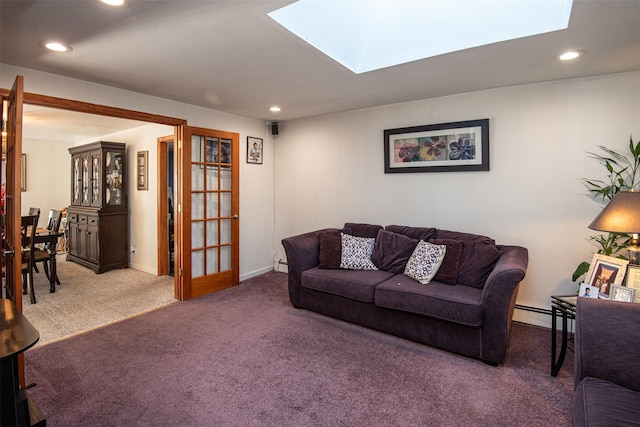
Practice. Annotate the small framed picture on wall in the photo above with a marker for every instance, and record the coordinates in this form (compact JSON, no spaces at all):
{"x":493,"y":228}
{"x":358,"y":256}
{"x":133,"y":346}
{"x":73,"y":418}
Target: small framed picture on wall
{"x":254,"y":150}
{"x":142,"y":170}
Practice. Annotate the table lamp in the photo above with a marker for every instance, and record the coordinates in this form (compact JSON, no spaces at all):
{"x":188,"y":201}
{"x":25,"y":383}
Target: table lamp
{"x":622,"y":215}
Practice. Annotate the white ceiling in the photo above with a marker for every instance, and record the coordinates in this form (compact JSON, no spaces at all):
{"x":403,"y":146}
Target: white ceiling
{"x":229,"y":56}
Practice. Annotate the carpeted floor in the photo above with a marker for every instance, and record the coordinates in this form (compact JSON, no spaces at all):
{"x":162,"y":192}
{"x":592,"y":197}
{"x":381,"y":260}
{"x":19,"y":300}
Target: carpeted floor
{"x":245,"y":357}
{"x":86,"y":300}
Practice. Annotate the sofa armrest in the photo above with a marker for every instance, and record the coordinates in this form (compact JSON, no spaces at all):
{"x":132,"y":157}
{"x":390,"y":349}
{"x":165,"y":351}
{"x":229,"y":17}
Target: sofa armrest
{"x":607,"y":342}
{"x":303,"y":253}
{"x":499,"y":299}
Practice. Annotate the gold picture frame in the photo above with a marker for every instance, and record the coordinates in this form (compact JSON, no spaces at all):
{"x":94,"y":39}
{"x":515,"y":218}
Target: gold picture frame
{"x":142,"y":170}
{"x":632,"y":281}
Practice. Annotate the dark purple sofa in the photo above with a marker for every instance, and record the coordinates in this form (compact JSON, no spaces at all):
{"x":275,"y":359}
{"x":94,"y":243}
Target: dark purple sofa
{"x":471,"y":319}
{"x":607,"y":364}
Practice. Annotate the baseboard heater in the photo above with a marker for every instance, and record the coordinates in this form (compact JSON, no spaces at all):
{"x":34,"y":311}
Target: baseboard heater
{"x":534,"y":309}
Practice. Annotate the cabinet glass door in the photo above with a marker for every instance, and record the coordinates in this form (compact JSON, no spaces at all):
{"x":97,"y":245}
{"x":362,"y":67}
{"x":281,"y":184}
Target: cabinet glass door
{"x":86,"y":167}
{"x":114,"y":170}
{"x":95,"y":179}
{"x":77,"y":171}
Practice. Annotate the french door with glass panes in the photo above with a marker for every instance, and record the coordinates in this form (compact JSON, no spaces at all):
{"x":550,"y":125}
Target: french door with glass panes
{"x":210,"y":210}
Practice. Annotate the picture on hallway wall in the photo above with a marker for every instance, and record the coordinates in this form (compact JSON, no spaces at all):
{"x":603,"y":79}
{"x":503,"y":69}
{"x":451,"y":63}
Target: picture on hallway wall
{"x":142,"y":170}
{"x":447,"y":147}
{"x":254,"y":150}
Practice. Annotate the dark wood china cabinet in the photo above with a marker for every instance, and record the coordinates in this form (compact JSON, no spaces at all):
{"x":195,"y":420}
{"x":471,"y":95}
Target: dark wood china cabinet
{"x":98,"y":217}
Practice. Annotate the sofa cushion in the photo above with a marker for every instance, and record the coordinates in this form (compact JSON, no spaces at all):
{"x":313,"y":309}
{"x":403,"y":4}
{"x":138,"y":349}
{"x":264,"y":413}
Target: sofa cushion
{"x":425,"y":261}
{"x":479,"y":256}
{"x":448,"y":271}
{"x":356,"y":252}
{"x":362,"y":230}
{"x":459,"y":304}
{"x":330,"y":250}
{"x":600,"y":403}
{"x":358,"y":285}
{"x":418,"y":233}
{"x":392,"y":251}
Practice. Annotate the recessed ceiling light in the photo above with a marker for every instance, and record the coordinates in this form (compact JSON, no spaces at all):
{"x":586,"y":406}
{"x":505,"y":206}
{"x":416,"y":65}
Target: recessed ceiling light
{"x":114,"y":3}
{"x":374,"y":34}
{"x":57,"y":47}
{"x":571,"y":54}
{"x":274,"y":109}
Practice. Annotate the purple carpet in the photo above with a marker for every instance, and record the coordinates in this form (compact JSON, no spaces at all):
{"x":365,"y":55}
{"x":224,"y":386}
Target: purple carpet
{"x":245,"y":357}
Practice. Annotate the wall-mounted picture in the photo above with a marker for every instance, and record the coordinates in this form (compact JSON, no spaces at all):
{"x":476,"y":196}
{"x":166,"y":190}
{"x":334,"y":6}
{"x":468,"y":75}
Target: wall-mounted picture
{"x":142,"y":170}
{"x":587,"y":291}
{"x":211,"y":154}
{"x":446,"y":147}
{"x":632,"y":281}
{"x":621,"y":293}
{"x":604,"y":272}
{"x":254,"y":150}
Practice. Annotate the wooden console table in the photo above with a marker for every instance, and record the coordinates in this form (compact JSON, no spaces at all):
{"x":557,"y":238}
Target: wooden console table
{"x":17,"y":335}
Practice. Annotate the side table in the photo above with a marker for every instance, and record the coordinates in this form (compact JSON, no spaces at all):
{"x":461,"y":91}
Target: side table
{"x":566,"y":306}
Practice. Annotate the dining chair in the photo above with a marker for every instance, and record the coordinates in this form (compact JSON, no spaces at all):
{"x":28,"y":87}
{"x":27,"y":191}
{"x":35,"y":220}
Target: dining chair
{"x":34,"y":211}
{"x":28,"y":231}
{"x":42,"y":254}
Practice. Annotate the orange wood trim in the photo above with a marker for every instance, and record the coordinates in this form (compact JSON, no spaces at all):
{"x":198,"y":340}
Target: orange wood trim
{"x":87,"y":107}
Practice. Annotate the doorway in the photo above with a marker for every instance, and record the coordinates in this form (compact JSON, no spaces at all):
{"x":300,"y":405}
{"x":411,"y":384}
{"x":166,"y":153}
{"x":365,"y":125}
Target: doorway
{"x":166,"y":206}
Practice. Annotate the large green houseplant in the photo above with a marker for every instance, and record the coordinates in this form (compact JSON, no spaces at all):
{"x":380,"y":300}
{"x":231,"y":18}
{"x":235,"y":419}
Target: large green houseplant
{"x":623,"y":173}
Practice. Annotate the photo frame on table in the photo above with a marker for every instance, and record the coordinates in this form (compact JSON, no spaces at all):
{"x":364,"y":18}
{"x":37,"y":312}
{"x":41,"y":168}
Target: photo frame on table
{"x":605,"y":271}
{"x":446,"y":147}
{"x":632,"y":281}
{"x":142,"y":170}
{"x":622,"y":293}
{"x":254,"y":150}
{"x":587,"y":291}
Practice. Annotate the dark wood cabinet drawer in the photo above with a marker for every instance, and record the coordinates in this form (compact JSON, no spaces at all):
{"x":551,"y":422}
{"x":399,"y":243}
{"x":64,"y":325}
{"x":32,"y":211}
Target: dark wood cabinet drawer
{"x":72,"y":217}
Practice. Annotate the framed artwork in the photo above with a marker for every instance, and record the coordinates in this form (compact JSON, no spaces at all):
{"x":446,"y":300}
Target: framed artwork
{"x":621,"y":293}
{"x":587,"y":291}
{"x":142,"y":169}
{"x":23,"y":176}
{"x":446,"y":147}
{"x":211,"y":151}
{"x":605,"y":271}
{"x":254,"y":150}
{"x":632,"y":281}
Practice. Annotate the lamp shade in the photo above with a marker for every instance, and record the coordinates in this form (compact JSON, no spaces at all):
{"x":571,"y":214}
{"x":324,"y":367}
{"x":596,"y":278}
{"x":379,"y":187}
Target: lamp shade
{"x":621,"y":215}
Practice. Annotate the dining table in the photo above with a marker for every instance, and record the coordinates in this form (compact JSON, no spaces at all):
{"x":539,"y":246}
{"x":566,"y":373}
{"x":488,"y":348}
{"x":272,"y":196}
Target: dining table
{"x":50,"y":239}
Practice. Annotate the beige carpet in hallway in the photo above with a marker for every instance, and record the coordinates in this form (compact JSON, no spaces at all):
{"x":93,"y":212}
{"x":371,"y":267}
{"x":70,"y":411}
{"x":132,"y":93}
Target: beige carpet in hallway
{"x":86,"y":300}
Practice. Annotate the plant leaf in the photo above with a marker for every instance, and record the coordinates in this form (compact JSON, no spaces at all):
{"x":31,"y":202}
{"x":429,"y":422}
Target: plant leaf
{"x":580,"y":271}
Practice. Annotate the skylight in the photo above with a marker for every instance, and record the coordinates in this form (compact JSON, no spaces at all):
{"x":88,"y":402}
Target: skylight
{"x":367,"y":35}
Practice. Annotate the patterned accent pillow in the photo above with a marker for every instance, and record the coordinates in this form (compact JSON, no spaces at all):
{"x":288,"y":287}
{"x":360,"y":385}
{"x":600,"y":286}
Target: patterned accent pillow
{"x":356,"y":252}
{"x":425,"y":261}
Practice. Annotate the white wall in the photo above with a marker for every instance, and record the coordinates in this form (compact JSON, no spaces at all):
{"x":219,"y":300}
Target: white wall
{"x":256,"y":181}
{"x":330,"y":170}
{"x":48,"y":177}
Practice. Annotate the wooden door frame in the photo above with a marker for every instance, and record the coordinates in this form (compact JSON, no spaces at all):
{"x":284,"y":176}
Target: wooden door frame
{"x":163,"y":195}
{"x":122,"y":113}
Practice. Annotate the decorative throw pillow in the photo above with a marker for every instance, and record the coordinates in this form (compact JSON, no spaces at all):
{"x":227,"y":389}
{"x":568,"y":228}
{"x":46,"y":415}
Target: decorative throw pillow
{"x":362,"y":230}
{"x":448,"y":271}
{"x":330,"y":250}
{"x":418,"y":233}
{"x":356,"y":252}
{"x":392,"y":251}
{"x":425,"y":261}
